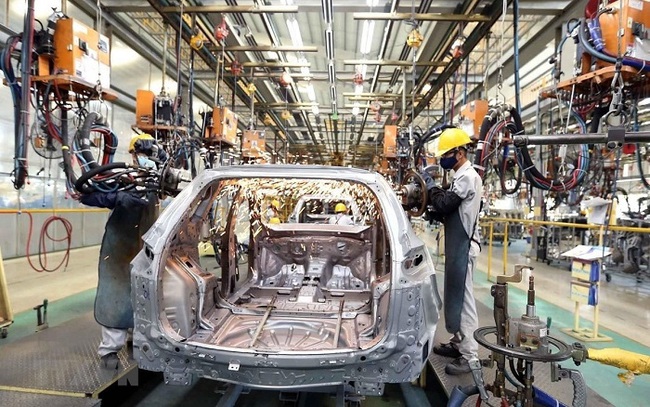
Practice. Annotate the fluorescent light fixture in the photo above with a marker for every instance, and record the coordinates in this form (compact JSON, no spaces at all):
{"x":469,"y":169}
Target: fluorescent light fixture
{"x":355,"y":109}
{"x":294,"y":32}
{"x":315,"y":110}
{"x":311,"y":94}
{"x":327,"y":11}
{"x":372,"y":3}
{"x":329,"y":43}
{"x":287,"y":2}
{"x":426,"y":88}
{"x":366,"y":36}
{"x":364,"y":70}
{"x":644,"y":102}
{"x":304,"y":70}
{"x":358,"y":89}
{"x":330,"y":73}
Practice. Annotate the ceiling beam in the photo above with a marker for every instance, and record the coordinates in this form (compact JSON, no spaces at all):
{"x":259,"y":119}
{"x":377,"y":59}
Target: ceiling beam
{"x":263,"y":48}
{"x":388,"y":62}
{"x":275,"y":65}
{"x":230,"y":9}
{"x":420,"y":17}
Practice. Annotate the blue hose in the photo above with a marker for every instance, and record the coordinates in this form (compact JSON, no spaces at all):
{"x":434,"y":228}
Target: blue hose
{"x":459,"y":395}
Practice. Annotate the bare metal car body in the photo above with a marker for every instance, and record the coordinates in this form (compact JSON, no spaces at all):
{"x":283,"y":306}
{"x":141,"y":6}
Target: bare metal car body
{"x":314,"y":305}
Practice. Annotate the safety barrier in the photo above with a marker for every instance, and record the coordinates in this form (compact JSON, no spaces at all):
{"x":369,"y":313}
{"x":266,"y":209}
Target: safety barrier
{"x":503,"y":225}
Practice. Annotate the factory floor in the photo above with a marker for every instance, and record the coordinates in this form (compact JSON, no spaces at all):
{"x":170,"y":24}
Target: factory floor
{"x":624,"y":314}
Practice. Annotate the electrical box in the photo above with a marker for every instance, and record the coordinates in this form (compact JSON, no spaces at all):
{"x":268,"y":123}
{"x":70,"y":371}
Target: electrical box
{"x":636,"y":20}
{"x":144,"y":107}
{"x":253,"y":144}
{"x":223,"y":127}
{"x":81,"y":51}
{"x":473,"y":114}
{"x":390,"y":141}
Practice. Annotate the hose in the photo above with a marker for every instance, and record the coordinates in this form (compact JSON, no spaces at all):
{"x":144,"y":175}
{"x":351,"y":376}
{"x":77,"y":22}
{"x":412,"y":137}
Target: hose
{"x":460,"y":394}
{"x":635,"y":63}
{"x":42,"y":246}
{"x":80,"y":184}
{"x":82,"y":139}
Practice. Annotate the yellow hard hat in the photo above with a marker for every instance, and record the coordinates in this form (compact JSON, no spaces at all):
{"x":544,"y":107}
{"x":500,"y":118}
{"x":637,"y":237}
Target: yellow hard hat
{"x":450,"y":139}
{"x":274,"y":220}
{"x":143,"y":138}
{"x":340,"y":207}
{"x":275,"y":203}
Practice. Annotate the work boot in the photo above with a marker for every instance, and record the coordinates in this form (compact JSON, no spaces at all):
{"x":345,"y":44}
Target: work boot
{"x":457,"y":367}
{"x":446,"y":349}
{"x":110,"y":361}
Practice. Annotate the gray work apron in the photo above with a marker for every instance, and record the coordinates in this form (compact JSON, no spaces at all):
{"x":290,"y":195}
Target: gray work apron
{"x":457,"y":245}
{"x":121,"y":243}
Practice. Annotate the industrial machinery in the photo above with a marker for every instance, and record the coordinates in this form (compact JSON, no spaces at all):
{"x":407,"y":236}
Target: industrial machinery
{"x":522,"y":342}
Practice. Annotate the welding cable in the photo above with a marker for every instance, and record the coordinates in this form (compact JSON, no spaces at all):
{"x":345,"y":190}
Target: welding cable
{"x":639,"y":64}
{"x":481,"y":146}
{"x":80,"y":184}
{"x":537,"y":179}
{"x":20,"y":146}
{"x":42,"y":243}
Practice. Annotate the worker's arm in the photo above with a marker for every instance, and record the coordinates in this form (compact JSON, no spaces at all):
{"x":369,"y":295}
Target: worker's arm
{"x":443,"y":201}
{"x":111,"y":199}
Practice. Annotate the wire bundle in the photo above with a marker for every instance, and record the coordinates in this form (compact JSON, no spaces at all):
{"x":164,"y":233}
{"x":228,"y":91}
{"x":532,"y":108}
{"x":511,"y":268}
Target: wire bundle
{"x":20,"y":157}
{"x":538,"y":180}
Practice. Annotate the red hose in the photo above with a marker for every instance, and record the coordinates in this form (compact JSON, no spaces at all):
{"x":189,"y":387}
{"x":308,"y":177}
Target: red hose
{"x":42,"y":248}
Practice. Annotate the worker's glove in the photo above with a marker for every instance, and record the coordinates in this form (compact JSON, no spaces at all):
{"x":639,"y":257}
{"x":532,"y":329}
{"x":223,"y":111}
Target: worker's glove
{"x":428,"y":180}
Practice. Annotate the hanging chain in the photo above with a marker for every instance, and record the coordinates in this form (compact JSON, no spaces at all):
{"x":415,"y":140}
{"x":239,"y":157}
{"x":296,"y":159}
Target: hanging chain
{"x":98,"y":86}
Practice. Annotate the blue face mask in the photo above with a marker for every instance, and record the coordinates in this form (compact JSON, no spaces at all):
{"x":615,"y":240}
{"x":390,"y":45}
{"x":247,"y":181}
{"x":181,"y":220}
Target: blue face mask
{"x":448,"y":163}
{"x":144,"y":161}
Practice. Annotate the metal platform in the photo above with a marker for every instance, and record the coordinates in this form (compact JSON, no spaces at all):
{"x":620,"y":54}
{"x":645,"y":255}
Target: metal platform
{"x":562,"y":390}
{"x":60,"y":361}
{"x":17,"y":398}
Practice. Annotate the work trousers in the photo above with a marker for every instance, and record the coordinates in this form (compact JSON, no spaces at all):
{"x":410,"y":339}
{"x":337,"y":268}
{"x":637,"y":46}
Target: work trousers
{"x":464,"y":340}
{"x":112,"y":340}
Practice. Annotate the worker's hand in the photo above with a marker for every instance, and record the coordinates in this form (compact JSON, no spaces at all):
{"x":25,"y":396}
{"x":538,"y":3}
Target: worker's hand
{"x":428,"y":180}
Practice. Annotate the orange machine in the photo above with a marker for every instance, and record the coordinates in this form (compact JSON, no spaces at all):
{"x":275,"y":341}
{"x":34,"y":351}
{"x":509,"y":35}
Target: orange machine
{"x":475,"y":111}
{"x":144,"y":107}
{"x":223,"y":128}
{"x":77,"y":50}
{"x":253,"y":144}
{"x":390,"y":141}
{"x":636,"y":18}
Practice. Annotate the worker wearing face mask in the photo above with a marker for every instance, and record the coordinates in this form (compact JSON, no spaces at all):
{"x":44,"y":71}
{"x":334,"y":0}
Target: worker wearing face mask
{"x":458,"y":208}
{"x":133,"y":212}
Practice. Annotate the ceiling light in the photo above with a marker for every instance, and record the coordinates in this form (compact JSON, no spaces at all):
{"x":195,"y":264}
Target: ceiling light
{"x":330,"y":73}
{"x":294,"y":32}
{"x":358,"y":89}
{"x":287,"y":2}
{"x":366,"y":36}
{"x":355,"y":109}
{"x":372,"y":3}
{"x":426,"y":88}
{"x":327,"y":11}
{"x":311,"y":93}
{"x":315,"y":110}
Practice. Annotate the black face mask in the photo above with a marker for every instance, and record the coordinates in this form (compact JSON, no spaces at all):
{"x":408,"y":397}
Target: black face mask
{"x":448,"y":163}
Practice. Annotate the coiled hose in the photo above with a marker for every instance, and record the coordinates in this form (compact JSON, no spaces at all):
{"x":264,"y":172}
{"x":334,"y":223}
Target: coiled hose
{"x":44,"y":235}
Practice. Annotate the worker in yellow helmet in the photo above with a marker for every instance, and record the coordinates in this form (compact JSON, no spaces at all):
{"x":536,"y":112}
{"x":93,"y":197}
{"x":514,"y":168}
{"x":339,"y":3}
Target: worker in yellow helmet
{"x":458,"y":208}
{"x":273,"y":210}
{"x":146,"y":152}
{"x":340,"y":215}
{"x":274,"y":220}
